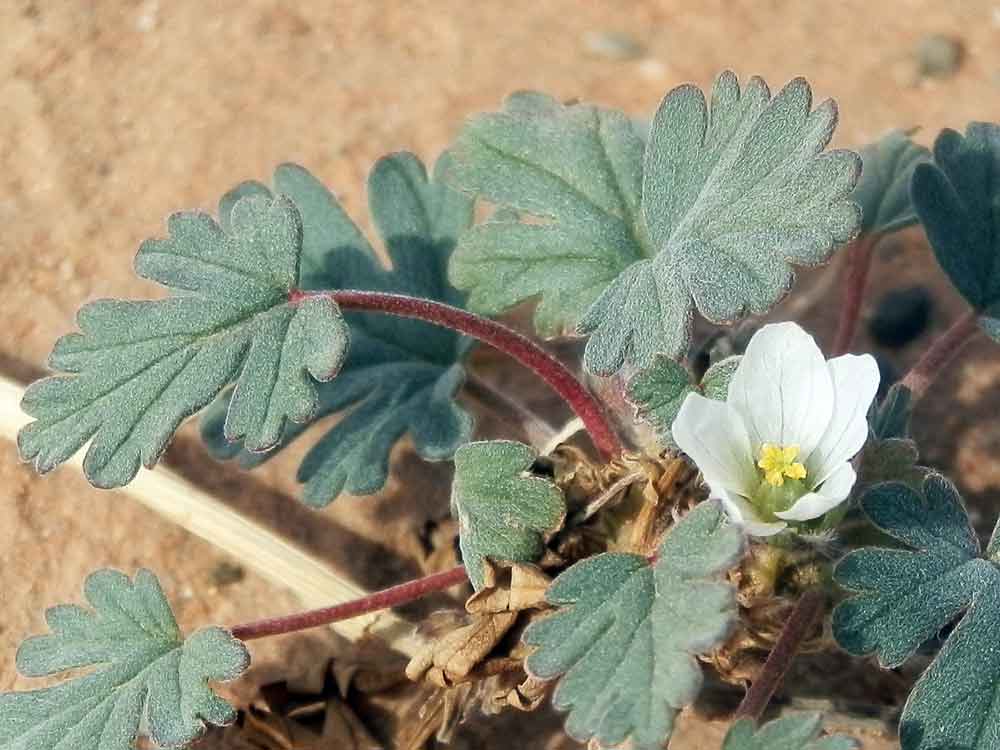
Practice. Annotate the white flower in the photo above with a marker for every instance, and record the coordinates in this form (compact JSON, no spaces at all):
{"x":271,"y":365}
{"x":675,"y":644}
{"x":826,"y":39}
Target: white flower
{"x":779,"y":448}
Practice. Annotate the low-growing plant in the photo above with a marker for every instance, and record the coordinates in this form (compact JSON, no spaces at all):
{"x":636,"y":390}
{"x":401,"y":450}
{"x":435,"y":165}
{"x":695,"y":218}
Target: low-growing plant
{"x":764,"y":492}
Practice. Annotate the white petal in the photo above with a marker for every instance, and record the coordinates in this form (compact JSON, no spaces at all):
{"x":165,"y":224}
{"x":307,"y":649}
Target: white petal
{"x":832,"y":493}
{"x":713,"y":435}
{"x":782,"y":389}
{"x":855,"y":381}
{"x":742,"y":514}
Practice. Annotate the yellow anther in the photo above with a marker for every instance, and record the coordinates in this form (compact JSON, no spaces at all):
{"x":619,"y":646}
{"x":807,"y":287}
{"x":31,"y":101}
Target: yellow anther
{"x":779,"y":462}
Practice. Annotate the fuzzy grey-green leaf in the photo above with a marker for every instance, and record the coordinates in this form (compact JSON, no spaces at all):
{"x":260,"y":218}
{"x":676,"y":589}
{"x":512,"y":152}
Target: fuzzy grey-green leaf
{"x":400,"y":375}
{"x":503,"y":511}
{"x":905,"y":596}
{"x":883,"y":192}
{"x":139,"y":368}
{"x":715,"y":381}
{"x":626,"y":634}
{"x":577,"y":167}
{"x":800,"y":732}
{"x":733,"y":196}
{"x":658,"y":393}
{"x":956,"y":199}
{"x":625,"y":239}
{"x":144,"y":668}
{"x":890,"y":460}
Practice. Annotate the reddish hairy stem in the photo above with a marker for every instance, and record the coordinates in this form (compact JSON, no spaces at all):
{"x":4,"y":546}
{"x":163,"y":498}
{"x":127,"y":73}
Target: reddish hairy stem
{"x":799,"y":624}
{"x":940,"y":353}
{"x":500,"y":337}
{"x":859,"y":261}
{"x":385,"y":599}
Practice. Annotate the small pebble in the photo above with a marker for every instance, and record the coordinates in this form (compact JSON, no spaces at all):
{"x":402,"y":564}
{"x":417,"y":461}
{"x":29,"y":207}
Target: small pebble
{"x":900,"y":316}
{"x":939,"y":56}
{"x":614,"y":45}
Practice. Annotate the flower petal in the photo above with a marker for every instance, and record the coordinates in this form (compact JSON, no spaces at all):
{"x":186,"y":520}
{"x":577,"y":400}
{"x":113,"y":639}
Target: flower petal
{"x":855,"y":381}
{"x":832,"y":493}
{"x":713,"y":435}
{"x":744,"y":515}
{"x":782,"y":389}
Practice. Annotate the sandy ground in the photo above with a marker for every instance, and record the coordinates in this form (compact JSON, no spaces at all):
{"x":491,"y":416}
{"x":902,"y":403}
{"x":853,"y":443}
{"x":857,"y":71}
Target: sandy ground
{"x":115,"y":114}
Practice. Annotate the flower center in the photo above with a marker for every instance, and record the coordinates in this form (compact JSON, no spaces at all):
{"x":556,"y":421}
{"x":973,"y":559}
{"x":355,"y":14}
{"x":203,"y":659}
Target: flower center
{"x":778,"y":462}
{"x":782,"y":482}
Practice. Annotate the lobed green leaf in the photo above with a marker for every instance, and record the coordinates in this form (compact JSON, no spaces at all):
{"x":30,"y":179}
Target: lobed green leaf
{"x":400,"y":376}
{"x":577,"y":167}
{"x":732,"y":196}
{"x":629,"y":238}
{"x":906,"y":596}
{"x":627,"y":632}
{"x":137,"y":369}
{"x":144,"y":669}
{"x":503,"y":511}
{"x":956,"y":198}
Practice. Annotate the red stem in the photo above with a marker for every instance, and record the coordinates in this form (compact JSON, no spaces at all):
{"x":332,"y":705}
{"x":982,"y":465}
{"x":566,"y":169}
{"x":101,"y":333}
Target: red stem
{"x":385,"y":599}
{"x":940,"y":352}
{"x":800,"y":623}
{"x":859,"y":261}
{"x":499,"y":336}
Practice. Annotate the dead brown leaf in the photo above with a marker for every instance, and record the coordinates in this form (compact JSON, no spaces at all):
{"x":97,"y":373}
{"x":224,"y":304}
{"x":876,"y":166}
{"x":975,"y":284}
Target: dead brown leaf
{"x":509,"y":588}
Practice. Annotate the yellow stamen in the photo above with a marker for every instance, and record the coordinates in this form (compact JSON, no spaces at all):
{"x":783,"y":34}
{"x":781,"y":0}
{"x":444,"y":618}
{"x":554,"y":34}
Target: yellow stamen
{"x":779,"y":462}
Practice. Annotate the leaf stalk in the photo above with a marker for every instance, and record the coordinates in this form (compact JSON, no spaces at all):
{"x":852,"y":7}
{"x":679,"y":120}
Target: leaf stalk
{"x":500,"y":337}
{"x":395,"y":596}
{"x":859,"y":261}
{"x":799,"y":625}
{"x":940,"y":353}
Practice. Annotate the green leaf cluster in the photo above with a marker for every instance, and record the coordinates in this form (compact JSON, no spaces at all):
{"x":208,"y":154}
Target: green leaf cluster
{"x":237,"y":326}
{"x":658,"y":393}
{"x":904,"y":597}
{"x":137,"y":369}
{"x":504,"y":512}
{"x":627,"y":632}
{"x":787,"y":733}
{"x":956,"y":198}
{"x":144,"y":669}
{"x":400,"y":376}
{"x":627,"y":238}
